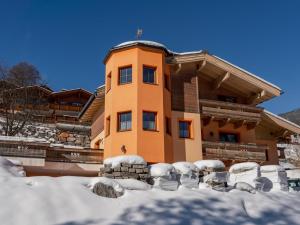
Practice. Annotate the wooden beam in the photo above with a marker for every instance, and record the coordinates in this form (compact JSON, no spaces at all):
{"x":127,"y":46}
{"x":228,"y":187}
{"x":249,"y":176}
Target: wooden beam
{"x":222,"y":123}
{"x":206,"y":121}
{"x":220,"y":80}
{"x":256,"y":97}
{"x":201,"y":67}
{"x":252,"y":125}
{"x":239,"y":124}
{"x":281,"y":133}
{"x":179,"y":67}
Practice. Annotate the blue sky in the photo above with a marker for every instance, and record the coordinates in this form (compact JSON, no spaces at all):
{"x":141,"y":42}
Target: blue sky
{"x":67,"y":40}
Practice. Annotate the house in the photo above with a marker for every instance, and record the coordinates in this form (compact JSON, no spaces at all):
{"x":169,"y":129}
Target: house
{"x":168,"y":106}
{"x":48,"y":106}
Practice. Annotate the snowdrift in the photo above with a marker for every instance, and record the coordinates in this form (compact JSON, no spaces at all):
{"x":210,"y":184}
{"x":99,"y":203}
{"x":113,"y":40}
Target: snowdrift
{"x":246,"y":172}
{"x":187,"y":174}
{"x":9,"y":169}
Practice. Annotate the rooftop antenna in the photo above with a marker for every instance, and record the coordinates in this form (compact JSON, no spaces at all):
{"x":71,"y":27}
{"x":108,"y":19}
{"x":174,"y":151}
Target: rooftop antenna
{"x":139,"y":33}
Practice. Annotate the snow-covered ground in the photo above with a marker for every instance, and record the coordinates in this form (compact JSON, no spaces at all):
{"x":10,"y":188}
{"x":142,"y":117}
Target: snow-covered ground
{"x":70,"y":201}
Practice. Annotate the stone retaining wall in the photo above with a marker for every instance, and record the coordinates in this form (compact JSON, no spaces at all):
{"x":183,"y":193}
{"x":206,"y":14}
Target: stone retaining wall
{"x":126,"y":171}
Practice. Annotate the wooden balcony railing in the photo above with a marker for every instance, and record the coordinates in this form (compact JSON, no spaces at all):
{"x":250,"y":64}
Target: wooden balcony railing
{"x":233,"y":151}
{"x":23,"y":149}
{"x":75,"y":155}
{"x":228,"y":110}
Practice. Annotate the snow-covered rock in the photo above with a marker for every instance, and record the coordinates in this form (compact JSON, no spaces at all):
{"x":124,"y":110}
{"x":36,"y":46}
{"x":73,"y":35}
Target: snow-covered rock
{"x":242,"y":186}
{"x":216,"y":177}
{"x":166,"y":184}
{"x":185,"y":167}
{"x":209,"y":164}
{"x":130,"y":159}
{"x":164,"y":176}
{"x":276,"y":175}
{"x":108,"y":188}
{"x":246,"y":172}
{"x":132,"y":184}
{"x":9,"y":169}
{"x":187,"y":174}
{"x":162,"y":170}
{"x":243,"y":167}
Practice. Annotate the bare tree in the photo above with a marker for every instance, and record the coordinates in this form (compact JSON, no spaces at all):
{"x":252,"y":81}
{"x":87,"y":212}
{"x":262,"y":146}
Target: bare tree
{"x":20,"y":97}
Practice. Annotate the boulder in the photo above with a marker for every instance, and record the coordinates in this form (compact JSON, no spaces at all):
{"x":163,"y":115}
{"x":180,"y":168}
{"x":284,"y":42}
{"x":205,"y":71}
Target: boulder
{"x":108,"y":188}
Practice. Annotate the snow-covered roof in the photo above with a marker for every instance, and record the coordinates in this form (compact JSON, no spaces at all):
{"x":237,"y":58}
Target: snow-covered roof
{"x":296,"y":126}
{"x":23,"y":139}
{"x":150,"y":43}
{"x":249,"y":73}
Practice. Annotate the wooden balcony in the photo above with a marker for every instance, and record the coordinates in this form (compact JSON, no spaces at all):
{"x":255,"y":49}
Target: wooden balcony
{"x":23,"y":149}
{"x":227,"y":111}
{"x":233,"y":151}
{"x":87,"y":156}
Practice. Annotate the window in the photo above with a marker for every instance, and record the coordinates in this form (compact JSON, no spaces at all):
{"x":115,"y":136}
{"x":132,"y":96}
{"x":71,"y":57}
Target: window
{"x":124,"y":121}
{"x":125,"y":75}
{"x":225,"y":98}
{"x":168,"y":126}
{"x":229,"y":137}
{"x":149,"y":120}
{"x":108,"y":82}
{"x":185,"y":129}
{"x":107,"y":130}
{"x":149,"y":75}
{"x":167,"y":82}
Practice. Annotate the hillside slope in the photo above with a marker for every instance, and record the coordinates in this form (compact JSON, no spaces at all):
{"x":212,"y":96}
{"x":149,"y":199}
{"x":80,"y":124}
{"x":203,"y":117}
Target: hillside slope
{"x":293,"y":116}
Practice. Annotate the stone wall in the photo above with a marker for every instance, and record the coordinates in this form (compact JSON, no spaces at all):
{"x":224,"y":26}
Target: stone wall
{"x":126,"y":171}
{"x":66,"y":134}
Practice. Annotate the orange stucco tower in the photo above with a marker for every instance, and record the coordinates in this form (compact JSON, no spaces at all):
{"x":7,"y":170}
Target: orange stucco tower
{"x":137,"y":104}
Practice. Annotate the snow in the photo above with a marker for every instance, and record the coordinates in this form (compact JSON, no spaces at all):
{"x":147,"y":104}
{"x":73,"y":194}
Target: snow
{"x":217,"y":177}
{"x":275,"y":176}
{"x":188,"y":174}
{"x":242,"y":186}
{"x":247,"y":172}
{"x":205,"y":164}
{"x":185,"y":167}
{"x":293,"y":173}
{"x":9,"y":169}
{"x":161,"y":170}
{"x":251,"y":74}
{"x":150,"y":43}
{"x":242,"y":167}
{"x":24,"y":139}
{"x":130,"y":159}
{"x":109,"y":182}
{"x":271,"y":168}
{"x":70,"y":200}
{"x":67,"y":200}
{"x":132,"y":184}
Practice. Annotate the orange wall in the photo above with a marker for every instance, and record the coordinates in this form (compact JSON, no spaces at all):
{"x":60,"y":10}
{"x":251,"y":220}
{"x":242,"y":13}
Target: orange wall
{"x":187,"y":149}
{"x":137,"y":97}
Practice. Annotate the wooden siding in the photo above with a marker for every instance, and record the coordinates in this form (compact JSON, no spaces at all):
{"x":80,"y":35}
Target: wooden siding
{"x":184,"y":93}
{"x":231,"y":151}
{"x":225,"y":110}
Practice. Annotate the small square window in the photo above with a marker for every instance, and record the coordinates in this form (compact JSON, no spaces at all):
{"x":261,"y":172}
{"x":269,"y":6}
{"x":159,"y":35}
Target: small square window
{"x":185,"y":129}
{"x":124,"y":121}
{"x":149,"y":120}
{"x":149,"y":75}
{"x":125,"y":75}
